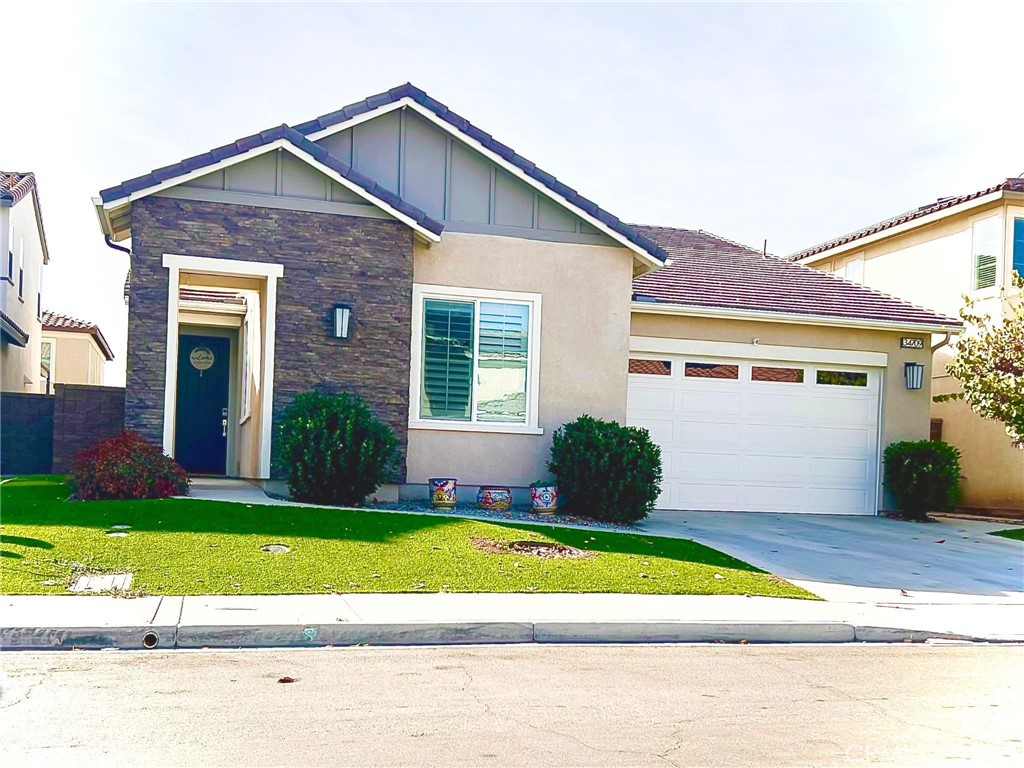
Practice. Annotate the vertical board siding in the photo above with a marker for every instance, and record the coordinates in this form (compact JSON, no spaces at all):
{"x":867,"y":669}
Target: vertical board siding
{"x":426,"y":160}
{"x":375,"y":149}
{"x":513,"y":201}
{"x":470,"y":186}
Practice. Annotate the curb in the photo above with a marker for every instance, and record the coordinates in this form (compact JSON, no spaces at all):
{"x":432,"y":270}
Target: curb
{"x":460,"y":633}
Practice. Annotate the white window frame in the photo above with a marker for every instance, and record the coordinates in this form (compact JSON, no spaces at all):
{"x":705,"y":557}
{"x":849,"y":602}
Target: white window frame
{"x":993,"y":289}
{"x":422,"y":292}
{"x":52,"y":341}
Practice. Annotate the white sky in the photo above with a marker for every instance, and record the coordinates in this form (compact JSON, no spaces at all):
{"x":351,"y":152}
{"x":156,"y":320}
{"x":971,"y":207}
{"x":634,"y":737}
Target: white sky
{"x":786,"y":122}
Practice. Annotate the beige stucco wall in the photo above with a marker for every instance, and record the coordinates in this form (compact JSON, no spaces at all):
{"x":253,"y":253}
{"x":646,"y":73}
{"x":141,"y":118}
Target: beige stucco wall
{"x":19,"y":366}
{"x":905,"y":413}
{"x":584,"y":347}
{"x":78,"y":359}
{"x":992,"y":468}
{"x":931,"y":266}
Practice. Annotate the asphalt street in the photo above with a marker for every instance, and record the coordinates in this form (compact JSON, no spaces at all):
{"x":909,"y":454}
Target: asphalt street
{"x":528,"y":705}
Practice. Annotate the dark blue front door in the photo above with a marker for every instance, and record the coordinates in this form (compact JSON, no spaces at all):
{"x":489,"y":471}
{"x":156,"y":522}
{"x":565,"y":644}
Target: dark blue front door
{"x":200,"y":432}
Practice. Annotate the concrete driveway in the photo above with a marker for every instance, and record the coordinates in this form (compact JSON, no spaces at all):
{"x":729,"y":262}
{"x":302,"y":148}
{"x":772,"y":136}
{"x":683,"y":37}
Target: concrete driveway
{"x":865,"y":559}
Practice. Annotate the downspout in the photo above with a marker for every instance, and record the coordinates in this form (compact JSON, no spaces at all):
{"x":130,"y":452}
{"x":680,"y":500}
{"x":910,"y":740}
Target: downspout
{"x":128,"y":278}
{"x":943,"y":343}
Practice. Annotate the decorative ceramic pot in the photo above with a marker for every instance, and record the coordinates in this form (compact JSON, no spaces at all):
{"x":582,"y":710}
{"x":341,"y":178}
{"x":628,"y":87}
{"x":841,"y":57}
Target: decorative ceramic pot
{"x":544,"y":499}
{"x":442,"y":492}
{"x":497,"y":497}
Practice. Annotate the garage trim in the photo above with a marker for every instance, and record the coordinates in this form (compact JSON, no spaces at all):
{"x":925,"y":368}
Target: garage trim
{"x":753,"y":351}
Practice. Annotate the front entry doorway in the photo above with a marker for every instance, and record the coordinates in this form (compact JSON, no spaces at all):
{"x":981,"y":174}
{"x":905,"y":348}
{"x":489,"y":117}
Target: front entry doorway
{"x":201,"y":418}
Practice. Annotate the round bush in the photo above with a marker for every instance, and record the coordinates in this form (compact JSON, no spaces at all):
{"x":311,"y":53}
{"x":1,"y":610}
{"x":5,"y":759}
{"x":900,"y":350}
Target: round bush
{"x":923,"y":476}
{"x":333,"y":449}
{"x":126,"y":467}
{"x":605,"y":471}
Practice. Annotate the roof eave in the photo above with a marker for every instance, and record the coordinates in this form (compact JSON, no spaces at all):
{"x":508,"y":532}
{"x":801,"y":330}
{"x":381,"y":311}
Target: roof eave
{"x":729,"y":313}
{"x":907,"y":226}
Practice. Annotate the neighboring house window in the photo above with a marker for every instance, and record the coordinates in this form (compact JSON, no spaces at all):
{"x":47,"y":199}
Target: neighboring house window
{"x":986,"y":238}
{"x":21,"y":268}
{"x":1018,"y":246}
{"x":477,"y":357}
{"x":39,"y":295}
{"x":9,"y":264}
{"x":855,"y":270}
{"x":47,"y":353}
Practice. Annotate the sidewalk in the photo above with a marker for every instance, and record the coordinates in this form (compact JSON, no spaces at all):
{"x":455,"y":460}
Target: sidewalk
{"x":39,"y":622}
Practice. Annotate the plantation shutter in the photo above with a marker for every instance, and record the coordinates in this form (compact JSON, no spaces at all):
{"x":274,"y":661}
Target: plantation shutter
{"x":447,"y":360}
{"x":987,"y":234}
{"x":502,"y":368}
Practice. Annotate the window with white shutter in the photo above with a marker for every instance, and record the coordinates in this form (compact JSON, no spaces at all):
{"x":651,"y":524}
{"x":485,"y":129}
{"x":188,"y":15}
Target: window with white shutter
{"x":986,"y":241}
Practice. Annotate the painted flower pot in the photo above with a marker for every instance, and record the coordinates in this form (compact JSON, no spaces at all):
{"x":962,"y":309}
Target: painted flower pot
{"x":544,"y":499}
{"x":442,"y":492}
{"x":494,"y":497}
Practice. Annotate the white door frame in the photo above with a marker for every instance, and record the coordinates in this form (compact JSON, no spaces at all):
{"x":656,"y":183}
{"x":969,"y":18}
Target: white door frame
{"x":271,"y":272}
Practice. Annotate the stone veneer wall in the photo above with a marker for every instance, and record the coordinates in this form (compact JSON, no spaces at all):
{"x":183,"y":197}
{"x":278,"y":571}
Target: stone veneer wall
{"x":327,"y":258}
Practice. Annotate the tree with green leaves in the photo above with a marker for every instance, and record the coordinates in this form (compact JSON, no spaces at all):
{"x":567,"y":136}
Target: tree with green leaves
{"x":989,"y":363}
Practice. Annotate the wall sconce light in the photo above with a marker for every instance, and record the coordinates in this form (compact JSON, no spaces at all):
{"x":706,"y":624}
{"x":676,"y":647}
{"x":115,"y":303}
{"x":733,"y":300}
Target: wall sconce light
{"x":342,"y":318}
{"x":913,"y":373}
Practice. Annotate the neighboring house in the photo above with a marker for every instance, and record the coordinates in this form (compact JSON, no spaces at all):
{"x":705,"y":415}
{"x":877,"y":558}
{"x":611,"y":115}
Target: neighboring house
{"x":23,"y":255}
{"x":933,"y":256}
{"x":73,"y":351}
{"x":395,"y":250}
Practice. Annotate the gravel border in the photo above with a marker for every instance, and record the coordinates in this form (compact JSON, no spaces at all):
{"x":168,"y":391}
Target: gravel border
{"x":517,"y":513}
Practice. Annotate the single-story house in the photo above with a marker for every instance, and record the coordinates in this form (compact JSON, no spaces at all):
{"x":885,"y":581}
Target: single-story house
{"x":393,"y":249}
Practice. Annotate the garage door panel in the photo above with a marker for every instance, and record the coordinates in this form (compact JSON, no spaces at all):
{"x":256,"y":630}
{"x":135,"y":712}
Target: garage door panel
{"x":705,"y":496}
{"x":784,"y":468}
{"x":712,"y":404}
{"x":660,"y":399}
{"x":841,"y":500}
{"x":848,"y":410}
{"x":778,"y":407}
{"x":709,"y":435}
{"x":737,"y":444}
{"x":774,"y":498}
{"x":836,"y":470}
{"x":704,"y":466}
{"x":660,"y":430}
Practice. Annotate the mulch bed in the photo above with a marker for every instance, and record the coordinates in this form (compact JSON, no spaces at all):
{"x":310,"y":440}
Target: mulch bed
{"x":544,"y":549}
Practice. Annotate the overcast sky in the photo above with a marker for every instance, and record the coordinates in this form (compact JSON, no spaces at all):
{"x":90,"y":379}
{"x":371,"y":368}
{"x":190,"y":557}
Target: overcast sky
{"x":786,"y":122}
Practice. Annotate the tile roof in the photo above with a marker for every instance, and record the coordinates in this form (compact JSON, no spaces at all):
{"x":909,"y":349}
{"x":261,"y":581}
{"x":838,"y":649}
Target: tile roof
{"x":1009,"y":185}
{"x":570,"y":195}
{"x":12,"y":330}
{"x":241,"y":146}
{"x":14,"y":186}
{"x":710,"y":271}
{"x":53,"y":321}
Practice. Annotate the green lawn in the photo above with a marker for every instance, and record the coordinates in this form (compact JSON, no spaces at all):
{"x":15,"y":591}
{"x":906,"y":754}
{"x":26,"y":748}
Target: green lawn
{"x":1011,"y":533}
{"x":190,"y":547}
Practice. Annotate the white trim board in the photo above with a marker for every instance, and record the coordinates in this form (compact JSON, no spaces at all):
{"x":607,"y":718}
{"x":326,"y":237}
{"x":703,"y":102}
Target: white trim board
{"x":653,"y":345}
{"x":176,"y":263}
{"x":651,"y":308}
{"x":651,"y":262}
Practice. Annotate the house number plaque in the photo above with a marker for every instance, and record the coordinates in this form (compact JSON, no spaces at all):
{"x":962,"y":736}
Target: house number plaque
{"x":911,"y":342}
{"x":201,"y":359}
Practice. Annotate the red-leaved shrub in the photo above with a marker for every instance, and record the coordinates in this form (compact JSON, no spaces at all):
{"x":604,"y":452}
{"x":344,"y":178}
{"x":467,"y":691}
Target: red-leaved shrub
{"x":126,"y":467}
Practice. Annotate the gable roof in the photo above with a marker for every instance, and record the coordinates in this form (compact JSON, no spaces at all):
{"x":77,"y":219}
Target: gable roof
{"x":15,"y":186}
{"x":708,"y":272}
{"x":289,"y":138}
{"x":565,"y":193}
{"x":11,"y":331}
{"x":943,"y":203}
{"x":53,"y":321}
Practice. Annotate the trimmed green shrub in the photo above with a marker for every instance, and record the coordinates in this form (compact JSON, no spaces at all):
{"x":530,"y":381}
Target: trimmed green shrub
{"x":923,"y":476}
{"x":333,"y":450}
{"x":605,"y":471}
{"x":126,"y":467}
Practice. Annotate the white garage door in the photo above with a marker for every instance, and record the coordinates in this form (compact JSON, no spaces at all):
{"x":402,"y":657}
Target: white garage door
{"x":760,"y":436}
